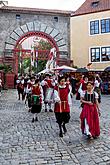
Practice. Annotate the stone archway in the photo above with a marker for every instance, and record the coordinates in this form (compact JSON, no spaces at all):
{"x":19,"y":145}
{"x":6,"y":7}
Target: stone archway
{"x":53,"y":34}
{"x":50,"y":33}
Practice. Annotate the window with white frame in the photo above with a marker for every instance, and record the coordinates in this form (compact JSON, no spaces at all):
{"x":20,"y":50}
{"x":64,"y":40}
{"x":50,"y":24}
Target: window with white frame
{"x":95,"y":54}
{"x":105,"y":54}
{"x":94,"y":27}
{"x":105,"y":25}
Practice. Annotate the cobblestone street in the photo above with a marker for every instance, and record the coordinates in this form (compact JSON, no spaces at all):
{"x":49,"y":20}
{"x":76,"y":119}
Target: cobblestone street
{"x":25,"y":143}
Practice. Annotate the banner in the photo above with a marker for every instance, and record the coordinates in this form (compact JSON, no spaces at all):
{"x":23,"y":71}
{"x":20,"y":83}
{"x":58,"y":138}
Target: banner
{"x":32,"y":56}
{"x":51,"y":63}
{"x":20,"y":59}
{"x":36,"y":58}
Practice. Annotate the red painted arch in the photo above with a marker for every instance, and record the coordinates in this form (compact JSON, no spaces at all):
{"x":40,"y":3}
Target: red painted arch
{"x":30,"y":34}
{"x":39,"y":34}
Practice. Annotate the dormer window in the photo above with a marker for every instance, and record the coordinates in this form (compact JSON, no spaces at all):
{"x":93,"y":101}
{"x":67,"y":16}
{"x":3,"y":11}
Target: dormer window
{"x":95,"y":3}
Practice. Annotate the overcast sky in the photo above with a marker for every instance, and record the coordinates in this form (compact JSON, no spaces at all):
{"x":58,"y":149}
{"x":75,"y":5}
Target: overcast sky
{"x":48,"y":4}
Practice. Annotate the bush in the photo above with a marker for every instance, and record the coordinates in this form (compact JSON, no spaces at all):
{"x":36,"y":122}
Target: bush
{"x":5,"y":68}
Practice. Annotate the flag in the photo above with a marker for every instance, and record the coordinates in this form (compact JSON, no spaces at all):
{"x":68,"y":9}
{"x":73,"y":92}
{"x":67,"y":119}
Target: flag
{"x":32,"y":56}
{"x":51,"y":59}
{"x":20,"y":59}
{"x":36,"y":58}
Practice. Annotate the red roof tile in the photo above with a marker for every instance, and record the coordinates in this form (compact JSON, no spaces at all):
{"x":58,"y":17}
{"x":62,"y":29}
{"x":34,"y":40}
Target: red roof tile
{"x":92,"y":6}
{"x":34,"y":10}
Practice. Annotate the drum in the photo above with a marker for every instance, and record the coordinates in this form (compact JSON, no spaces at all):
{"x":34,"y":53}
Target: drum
{"x":49,"y":95}
{"x":35,"y":100}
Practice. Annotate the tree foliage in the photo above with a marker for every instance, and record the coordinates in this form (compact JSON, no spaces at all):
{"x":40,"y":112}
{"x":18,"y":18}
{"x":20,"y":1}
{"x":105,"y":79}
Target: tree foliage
{"x":43,"y":45}
{"x":5,"y":68}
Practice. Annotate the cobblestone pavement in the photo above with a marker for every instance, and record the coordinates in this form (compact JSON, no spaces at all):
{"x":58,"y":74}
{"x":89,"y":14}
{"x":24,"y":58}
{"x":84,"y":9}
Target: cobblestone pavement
{"x":26,"y":143}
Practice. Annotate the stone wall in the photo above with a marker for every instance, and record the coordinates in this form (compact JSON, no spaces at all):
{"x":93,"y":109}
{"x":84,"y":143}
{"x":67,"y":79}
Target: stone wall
{"x":12,"y":24}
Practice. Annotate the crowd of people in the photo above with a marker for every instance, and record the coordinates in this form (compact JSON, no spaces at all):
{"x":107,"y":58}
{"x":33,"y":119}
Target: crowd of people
{"x":57,"y":91}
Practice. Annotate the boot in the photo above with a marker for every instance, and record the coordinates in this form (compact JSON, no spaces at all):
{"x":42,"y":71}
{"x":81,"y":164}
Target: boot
{"x":33,"y":120}
{"x":61,"y":133}
{"x":50,"y":110}
{"x":36,"y":119}
{"x":64,"y":128}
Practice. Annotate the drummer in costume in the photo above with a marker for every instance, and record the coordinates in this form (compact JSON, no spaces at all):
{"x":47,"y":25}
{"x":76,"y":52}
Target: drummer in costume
{"x":90,"y":112}
{"x":61,"y":108}
{"x":48,"y":89}
{"x":37,"y":99}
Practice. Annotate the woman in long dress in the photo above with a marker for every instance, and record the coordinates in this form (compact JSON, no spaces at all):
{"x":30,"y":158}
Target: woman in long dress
{"x":90,"y":112}
{"x":61,"y":108}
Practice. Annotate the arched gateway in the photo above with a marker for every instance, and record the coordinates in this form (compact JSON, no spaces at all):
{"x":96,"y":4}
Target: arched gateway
{"x":49,"y":24}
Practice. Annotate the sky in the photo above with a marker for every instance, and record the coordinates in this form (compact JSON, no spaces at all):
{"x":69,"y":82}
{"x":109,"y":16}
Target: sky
{"x":48,"y":4}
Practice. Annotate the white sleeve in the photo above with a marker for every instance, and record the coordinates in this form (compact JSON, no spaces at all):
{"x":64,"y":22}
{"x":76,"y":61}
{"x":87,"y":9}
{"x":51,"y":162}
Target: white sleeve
{"x":42,"y":83}
{"x":96,"y":83}
{"x":70,"y":88}
{"x":28,"y":89}
{"x":42,"y":96}
{"x":56,"y":96}
{"x":82,"y":93}
{"x":69,"y":100}
{"x":96,"y":95}
{"x":53,"y":83}
{"x":80,"y":89}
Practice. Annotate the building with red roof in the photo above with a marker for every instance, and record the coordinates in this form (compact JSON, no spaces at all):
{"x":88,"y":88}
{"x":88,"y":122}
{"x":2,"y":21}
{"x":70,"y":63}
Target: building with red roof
{"x":90,"y":34}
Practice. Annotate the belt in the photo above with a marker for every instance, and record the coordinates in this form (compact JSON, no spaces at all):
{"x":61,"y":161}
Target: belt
{"x":64,"y":103}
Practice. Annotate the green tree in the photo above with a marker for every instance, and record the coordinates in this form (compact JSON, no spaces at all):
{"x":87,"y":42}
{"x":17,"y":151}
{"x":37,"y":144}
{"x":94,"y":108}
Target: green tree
{"x":44,"y":45}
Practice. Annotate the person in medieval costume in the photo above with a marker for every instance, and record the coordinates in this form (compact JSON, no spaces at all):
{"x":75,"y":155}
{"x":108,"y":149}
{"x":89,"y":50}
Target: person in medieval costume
{"x":97,"y":87}
{"x":28,"y":94}
{"x":90,"y":112}
{"x":83,"y":85}
{"x":48,"y":89}
{"x":25,"y":85}
{"x":20,"y":88}
{"x":0,"y":85}
{"x":37,"y":100}
{"x":61,"y":108}
{"x":70,"y":95}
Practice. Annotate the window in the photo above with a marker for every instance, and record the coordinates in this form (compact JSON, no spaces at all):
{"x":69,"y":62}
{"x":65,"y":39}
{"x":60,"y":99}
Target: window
{"x":95,"y":4}
{"x":105,"y":53}
{"x":94,"y":27}
{"x":95,"y":54}
{"x":56,"y":19}
{"x":18,"y":16}
{"x":105,"y":26}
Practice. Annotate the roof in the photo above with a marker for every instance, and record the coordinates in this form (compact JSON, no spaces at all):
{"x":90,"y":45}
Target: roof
{"x":92,"y":6}
{"x":34,"y":10}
